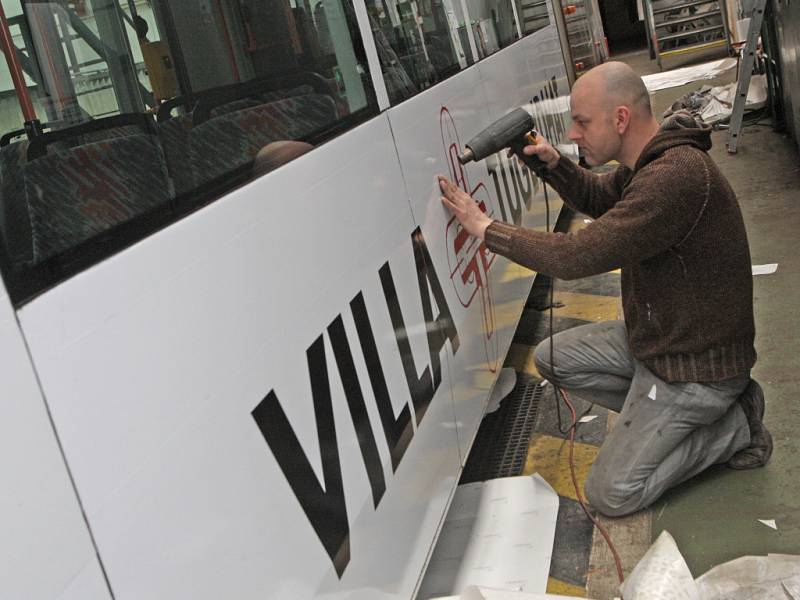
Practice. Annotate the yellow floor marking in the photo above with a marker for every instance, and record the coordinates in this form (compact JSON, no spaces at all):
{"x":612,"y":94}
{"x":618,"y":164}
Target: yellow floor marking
{"x":562,"y":588}
{"x":549,"y":456}
{"x":510,"y":272}
{"x":516,"y":274}
{"x":520,"y":357}
{"x":586,"y":307}
{"x":506,"y":315}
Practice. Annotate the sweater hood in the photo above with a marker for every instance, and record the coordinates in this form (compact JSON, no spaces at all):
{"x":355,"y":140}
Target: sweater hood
{"x":680,"y":129}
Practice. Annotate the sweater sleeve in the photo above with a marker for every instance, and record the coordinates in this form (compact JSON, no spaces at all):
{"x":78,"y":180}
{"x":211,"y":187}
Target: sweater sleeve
{"x":659,"y":209}
{"x":590,"y":193}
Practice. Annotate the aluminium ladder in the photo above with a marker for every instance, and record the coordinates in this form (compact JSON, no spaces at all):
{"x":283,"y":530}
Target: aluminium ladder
{"x":745,"y":73}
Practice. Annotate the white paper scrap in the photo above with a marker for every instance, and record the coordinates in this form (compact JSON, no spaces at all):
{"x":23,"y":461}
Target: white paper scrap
{"x":587,"y":221}
{"x":792,"y":587}
{"x":497,"y":534}
{"x":587,"y":419}
{"x":765,"y":269}
{"x":769,"y":523}
{"x":677,"y":77}
{"x":475,"y":592}
{"x":504,"y":385}
{"x":661,"y":573}
{"x":652,"y":394}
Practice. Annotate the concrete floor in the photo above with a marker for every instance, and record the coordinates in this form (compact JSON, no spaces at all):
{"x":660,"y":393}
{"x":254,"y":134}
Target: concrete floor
{"x":714,"y":517}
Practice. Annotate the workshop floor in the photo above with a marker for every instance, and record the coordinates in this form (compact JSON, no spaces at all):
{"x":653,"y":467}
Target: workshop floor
{"x":713,"y":517}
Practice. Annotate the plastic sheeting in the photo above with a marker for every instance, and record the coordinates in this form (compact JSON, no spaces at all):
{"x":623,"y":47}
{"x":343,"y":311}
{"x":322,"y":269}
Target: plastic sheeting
{"x":483,"y":593}
{"x":662,"y":574}
{"x":771,"y":577}
{"x":678,"y":77}
{"x":498,"y":534}
{"x":720,"y":105}
{"x":715,"y":104}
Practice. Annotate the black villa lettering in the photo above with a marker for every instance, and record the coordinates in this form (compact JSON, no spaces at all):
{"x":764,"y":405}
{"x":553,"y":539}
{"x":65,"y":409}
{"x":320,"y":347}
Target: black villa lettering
{"x":325,"y":507}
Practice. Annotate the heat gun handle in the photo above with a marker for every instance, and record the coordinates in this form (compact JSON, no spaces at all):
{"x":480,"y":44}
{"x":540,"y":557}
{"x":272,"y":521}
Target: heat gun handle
{"x":533,"y":162}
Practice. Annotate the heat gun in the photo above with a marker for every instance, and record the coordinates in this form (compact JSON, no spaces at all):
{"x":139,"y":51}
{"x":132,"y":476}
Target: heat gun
{"x":515,"y":131}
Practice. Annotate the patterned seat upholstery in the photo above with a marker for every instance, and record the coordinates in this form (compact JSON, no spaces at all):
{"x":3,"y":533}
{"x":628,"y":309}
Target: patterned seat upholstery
{"x":174,"y":136}
{"x":231,"y":140}
{"x":15,"y":223}
{"x":107,"y":134}
{"x":73,"y":195}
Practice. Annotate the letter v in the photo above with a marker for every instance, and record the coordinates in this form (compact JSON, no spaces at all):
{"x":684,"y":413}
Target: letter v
{"x":325,"y":509}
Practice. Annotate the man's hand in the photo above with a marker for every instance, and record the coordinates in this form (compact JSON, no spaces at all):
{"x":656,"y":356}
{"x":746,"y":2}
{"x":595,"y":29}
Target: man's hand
{"x":543,"y":151}
{"x":464,"y":208}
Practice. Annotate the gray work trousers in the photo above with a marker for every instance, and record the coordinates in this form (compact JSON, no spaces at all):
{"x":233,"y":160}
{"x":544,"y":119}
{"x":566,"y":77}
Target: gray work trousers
{"x":666,"y":432}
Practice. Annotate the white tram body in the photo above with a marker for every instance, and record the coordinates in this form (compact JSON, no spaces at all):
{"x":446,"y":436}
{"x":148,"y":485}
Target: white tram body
{"x":270,"y":394}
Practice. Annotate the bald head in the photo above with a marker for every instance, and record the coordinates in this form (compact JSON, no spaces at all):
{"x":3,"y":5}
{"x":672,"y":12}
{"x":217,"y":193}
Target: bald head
{"x":611,"y":115}
{"x":617,"y":84}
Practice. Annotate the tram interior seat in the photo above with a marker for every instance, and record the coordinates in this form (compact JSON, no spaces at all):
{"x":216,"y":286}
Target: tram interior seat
{"x":73,"y":195}
{"x":174,"y":131}
{"x":71,"y":184}
{"x":174,"y":136}
{"x":75,"y":183}
{"x":239,"y":116}
{"x":232,"y":140}
{"x":15,"y":223}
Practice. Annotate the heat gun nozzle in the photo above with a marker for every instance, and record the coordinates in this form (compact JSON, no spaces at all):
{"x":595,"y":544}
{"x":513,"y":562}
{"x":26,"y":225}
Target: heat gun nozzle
{"x":466,"y":156}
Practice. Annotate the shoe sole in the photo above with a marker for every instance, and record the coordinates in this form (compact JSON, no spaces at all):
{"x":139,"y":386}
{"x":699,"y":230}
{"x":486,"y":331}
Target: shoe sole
{"x":742,"y":464}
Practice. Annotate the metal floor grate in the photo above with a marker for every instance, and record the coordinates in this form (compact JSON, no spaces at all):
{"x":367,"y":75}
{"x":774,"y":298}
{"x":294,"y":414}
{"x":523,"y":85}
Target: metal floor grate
{"x":501,"y":445}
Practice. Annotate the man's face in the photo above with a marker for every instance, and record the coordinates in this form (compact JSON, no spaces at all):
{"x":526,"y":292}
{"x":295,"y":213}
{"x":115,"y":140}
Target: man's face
{"x":593,"y":127}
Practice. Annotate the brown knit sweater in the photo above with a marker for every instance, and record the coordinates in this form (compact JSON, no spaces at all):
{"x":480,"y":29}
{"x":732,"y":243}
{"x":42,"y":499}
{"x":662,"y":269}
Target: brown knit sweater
{"x":674,"y":227}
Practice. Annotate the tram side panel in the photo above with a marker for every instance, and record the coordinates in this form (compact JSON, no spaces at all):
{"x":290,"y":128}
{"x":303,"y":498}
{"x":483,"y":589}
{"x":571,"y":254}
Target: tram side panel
{"x":249,"y":400}
{"x":430,"y":130}
{"x":533,"y":75}
{"x":46,"y":551}
{"x":257,"y":399}
{"x":485,"y":292}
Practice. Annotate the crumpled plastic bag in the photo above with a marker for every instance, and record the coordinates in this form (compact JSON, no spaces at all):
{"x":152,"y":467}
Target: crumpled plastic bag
{"x":771,"y":577}
{"x":474,"y":592}
{"x":715,"y":104}
{"x":661,"y":574}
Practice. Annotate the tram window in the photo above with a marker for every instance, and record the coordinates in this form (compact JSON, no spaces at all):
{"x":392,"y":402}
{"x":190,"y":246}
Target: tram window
{"x":493,"y":25}
{"x":419,"y":43}
{"x":146,"y":109}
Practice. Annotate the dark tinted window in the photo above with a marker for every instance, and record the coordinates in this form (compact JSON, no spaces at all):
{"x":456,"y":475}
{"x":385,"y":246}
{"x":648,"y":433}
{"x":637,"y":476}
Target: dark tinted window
{"x":418,"y":43}
{"x":149,"y":108}
{"x":422,"y":42}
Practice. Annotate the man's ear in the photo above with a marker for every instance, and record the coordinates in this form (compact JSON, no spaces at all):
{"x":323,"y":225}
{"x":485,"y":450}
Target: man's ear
{"x":622,"y":119}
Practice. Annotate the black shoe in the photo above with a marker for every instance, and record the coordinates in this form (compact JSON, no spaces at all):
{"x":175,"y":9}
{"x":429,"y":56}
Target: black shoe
{"x":757,"y":454}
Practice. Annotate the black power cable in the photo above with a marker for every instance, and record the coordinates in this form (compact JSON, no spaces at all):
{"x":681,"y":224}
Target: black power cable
{"x":556,"y":389}
{"x":573,"y":426}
